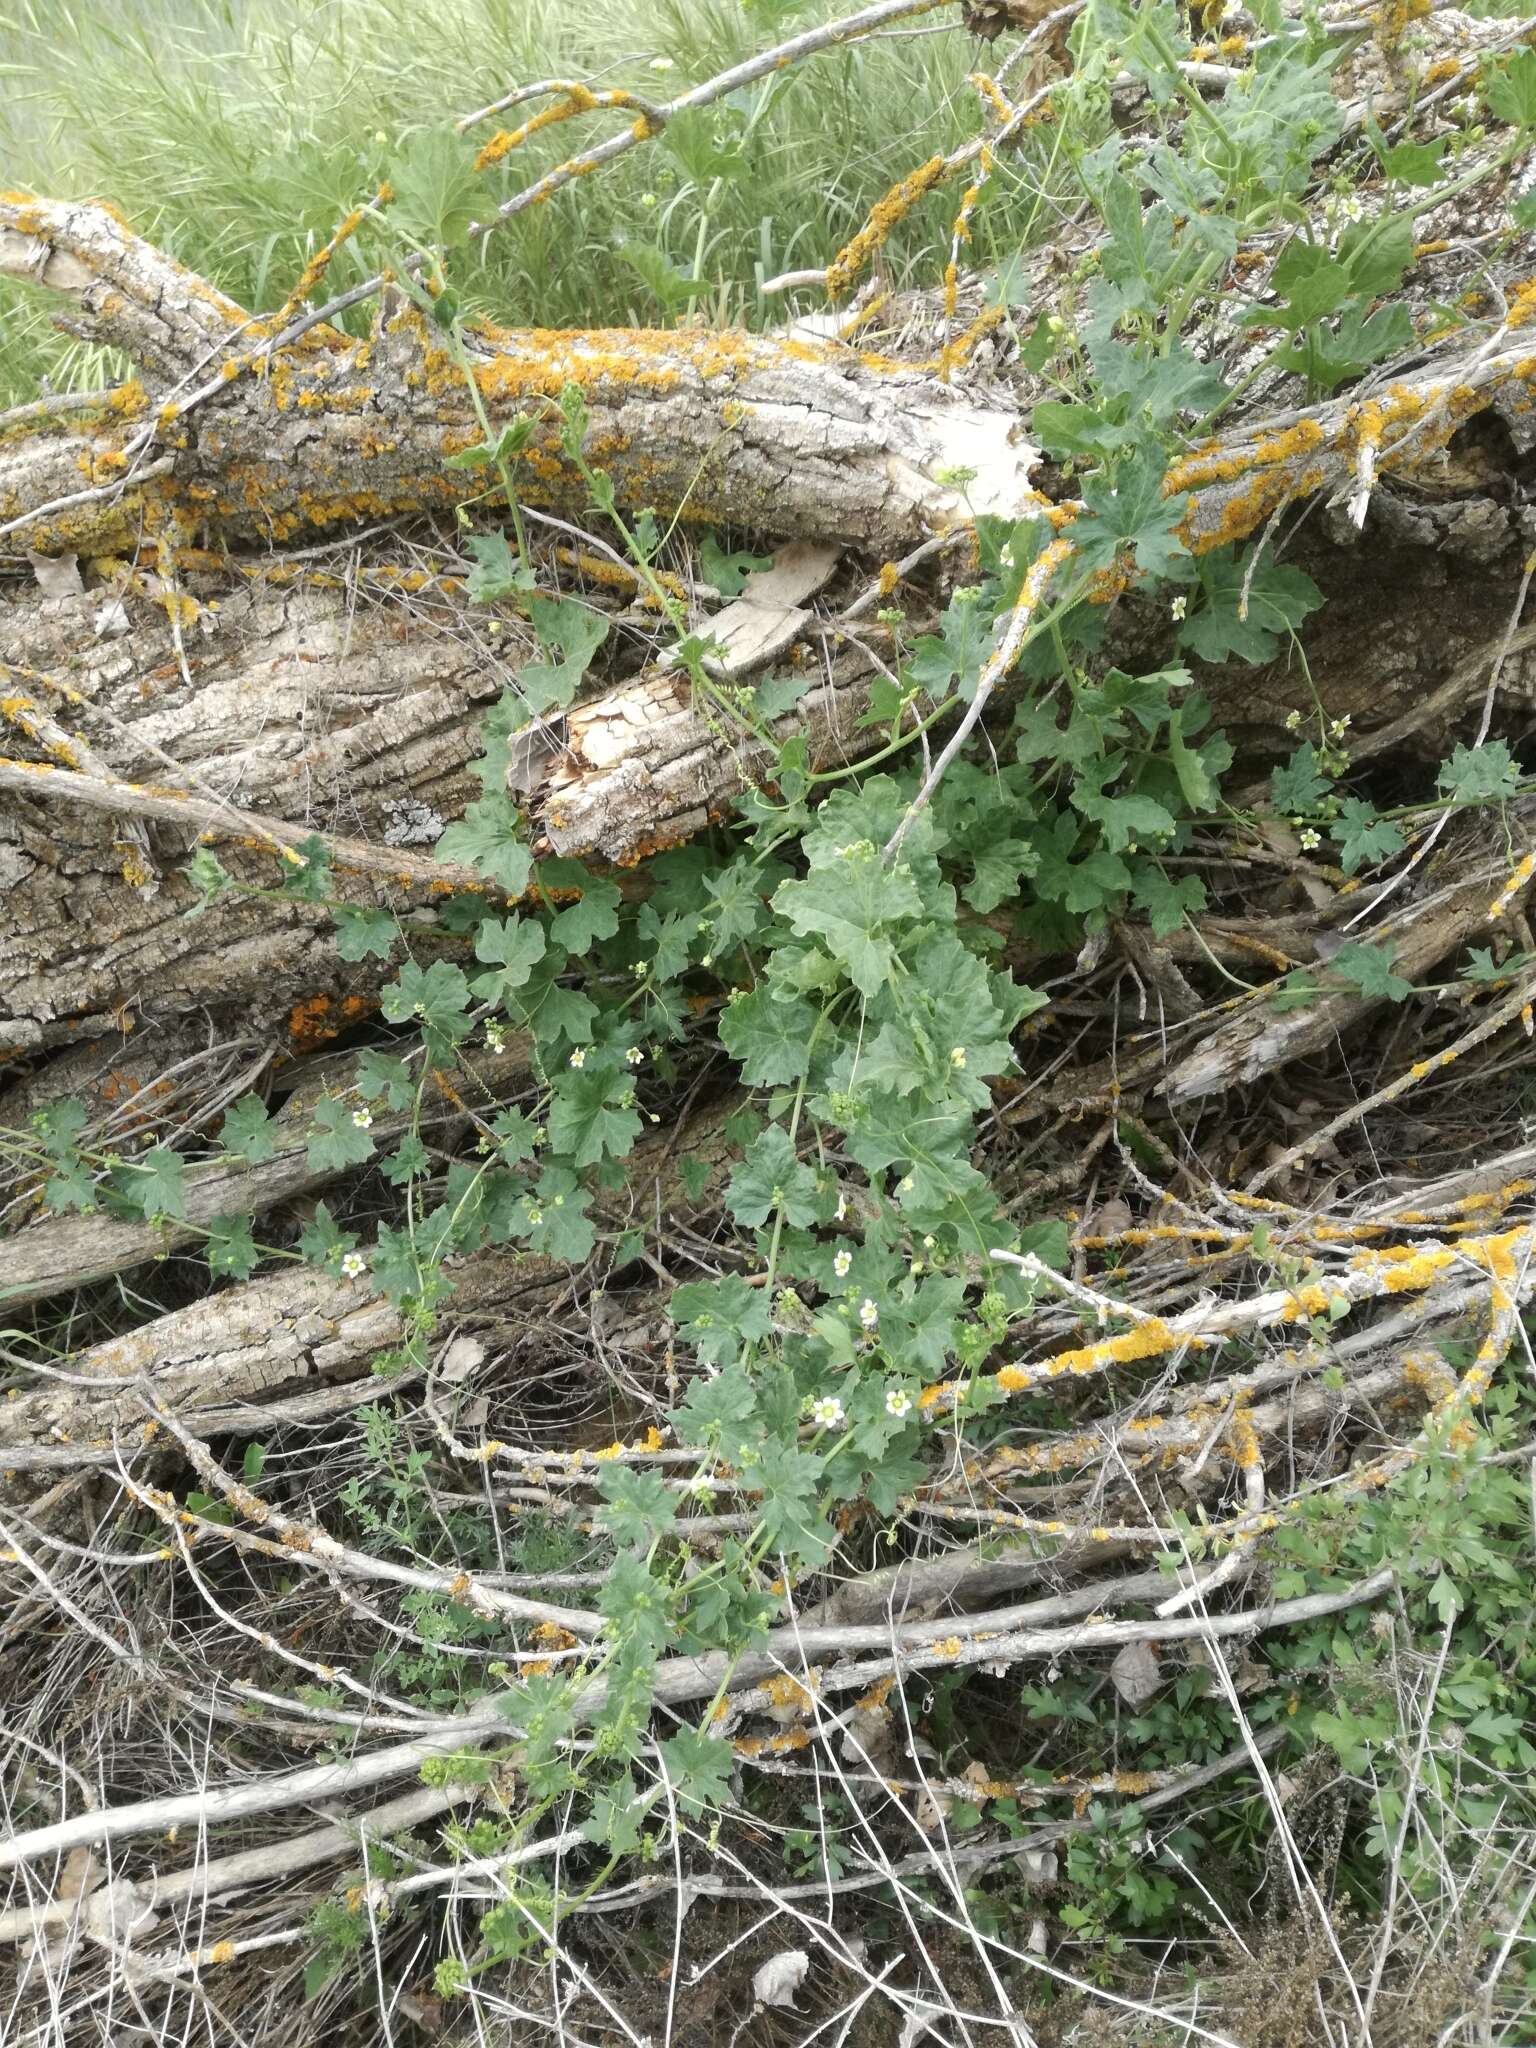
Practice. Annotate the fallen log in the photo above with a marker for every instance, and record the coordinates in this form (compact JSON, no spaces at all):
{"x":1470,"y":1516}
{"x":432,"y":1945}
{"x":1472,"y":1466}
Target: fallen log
{"x":321,"y":703}
{"x":299,"y":1326}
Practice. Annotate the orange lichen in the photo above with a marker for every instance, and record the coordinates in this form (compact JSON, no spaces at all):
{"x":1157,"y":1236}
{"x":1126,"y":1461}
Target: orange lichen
{"x":320,"y":262}
{"x":1001,"y":107}
{"x":888,"y":214}
{"x":1211,"y":466}
{"x":127,"y":399}
{"x":575,"y":98}
{"x":1517,"y":881}
{"x":1302,"y":1303}
{"x":1243,"y":1440}
{"x":1392,"y":17}
{"x":1427,"y":1373}
{"x":786,"y":1692}
{"x":955,"y":352}
{"x":317,"y":1019}
{"x":1409,"y":1269}
{"x":1150,"y":1339}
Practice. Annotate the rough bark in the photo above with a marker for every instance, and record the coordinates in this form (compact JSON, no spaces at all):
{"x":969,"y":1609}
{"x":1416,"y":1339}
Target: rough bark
{"x":348,"y":718}
{"x":1421,"y":932}
{"x":358,"y":717}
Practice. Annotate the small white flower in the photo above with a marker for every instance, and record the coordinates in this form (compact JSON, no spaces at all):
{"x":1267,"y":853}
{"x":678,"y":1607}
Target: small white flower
{"x":648,"y":200}
{"x":579,"y":1057}
{"x":929,"y":1243}
{"x":363,"y":1118}
{"x":662,"y":64}
{"x":1309,"y":839}
{"x":869,"y":1315}
{"x":827,"y":1413}
{"x":535,"y":1218}
{"x":957,"y":1057}
{"x":704,"y":1488}
{"x":353,"y":1264}
{"x":1293,"y":721}
{"x":1340,"y":726}
{"x":634,"y":1056}
{"x":1005,"y":556}
{"x":898,"y":1403}
{"x":642,"y":969}
{"x":708,"y":960}
{"x":842,"y":1208}
{"x":905,"y":1185}
{"x":495,"y":1037}
{"x":1179,"y":606}
{"x":841,"y":1263}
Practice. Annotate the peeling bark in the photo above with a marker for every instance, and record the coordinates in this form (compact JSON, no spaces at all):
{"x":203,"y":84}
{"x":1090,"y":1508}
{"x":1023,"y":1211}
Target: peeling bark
{"x":357,"y":721}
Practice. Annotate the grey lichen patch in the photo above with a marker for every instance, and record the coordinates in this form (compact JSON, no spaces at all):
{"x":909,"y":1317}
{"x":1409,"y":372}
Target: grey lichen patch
{"x":412,"y":822}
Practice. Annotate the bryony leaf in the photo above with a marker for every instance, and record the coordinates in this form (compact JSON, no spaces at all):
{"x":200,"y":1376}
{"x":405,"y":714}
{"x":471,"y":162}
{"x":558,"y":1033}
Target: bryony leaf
{"x":248,"y":1130}
{"x":512,"y":947}
{"x":489,"y":838}
{"x":770,"y":1178}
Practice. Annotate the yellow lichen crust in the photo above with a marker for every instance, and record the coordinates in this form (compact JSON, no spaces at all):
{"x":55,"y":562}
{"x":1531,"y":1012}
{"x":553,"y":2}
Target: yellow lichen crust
{"x":575,"y":98}
{"x":850,"y":260}
{"x":1391,"y":20}
{"x":320,"y":262}
{"x":999,"y":105}
{"x":1522,"y":874}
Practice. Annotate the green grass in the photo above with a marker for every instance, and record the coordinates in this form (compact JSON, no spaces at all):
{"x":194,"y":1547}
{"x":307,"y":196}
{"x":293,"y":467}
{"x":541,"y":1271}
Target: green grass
{"x":238,"y":135}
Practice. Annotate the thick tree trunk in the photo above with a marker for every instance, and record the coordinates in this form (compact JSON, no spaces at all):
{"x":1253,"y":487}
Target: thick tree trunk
{"x":787,"y":437}
{"x":353,"y":718}
{"x":343,"y":698}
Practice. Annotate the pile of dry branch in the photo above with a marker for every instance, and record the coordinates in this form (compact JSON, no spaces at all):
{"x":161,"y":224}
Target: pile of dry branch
{"x":233,"y":611}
